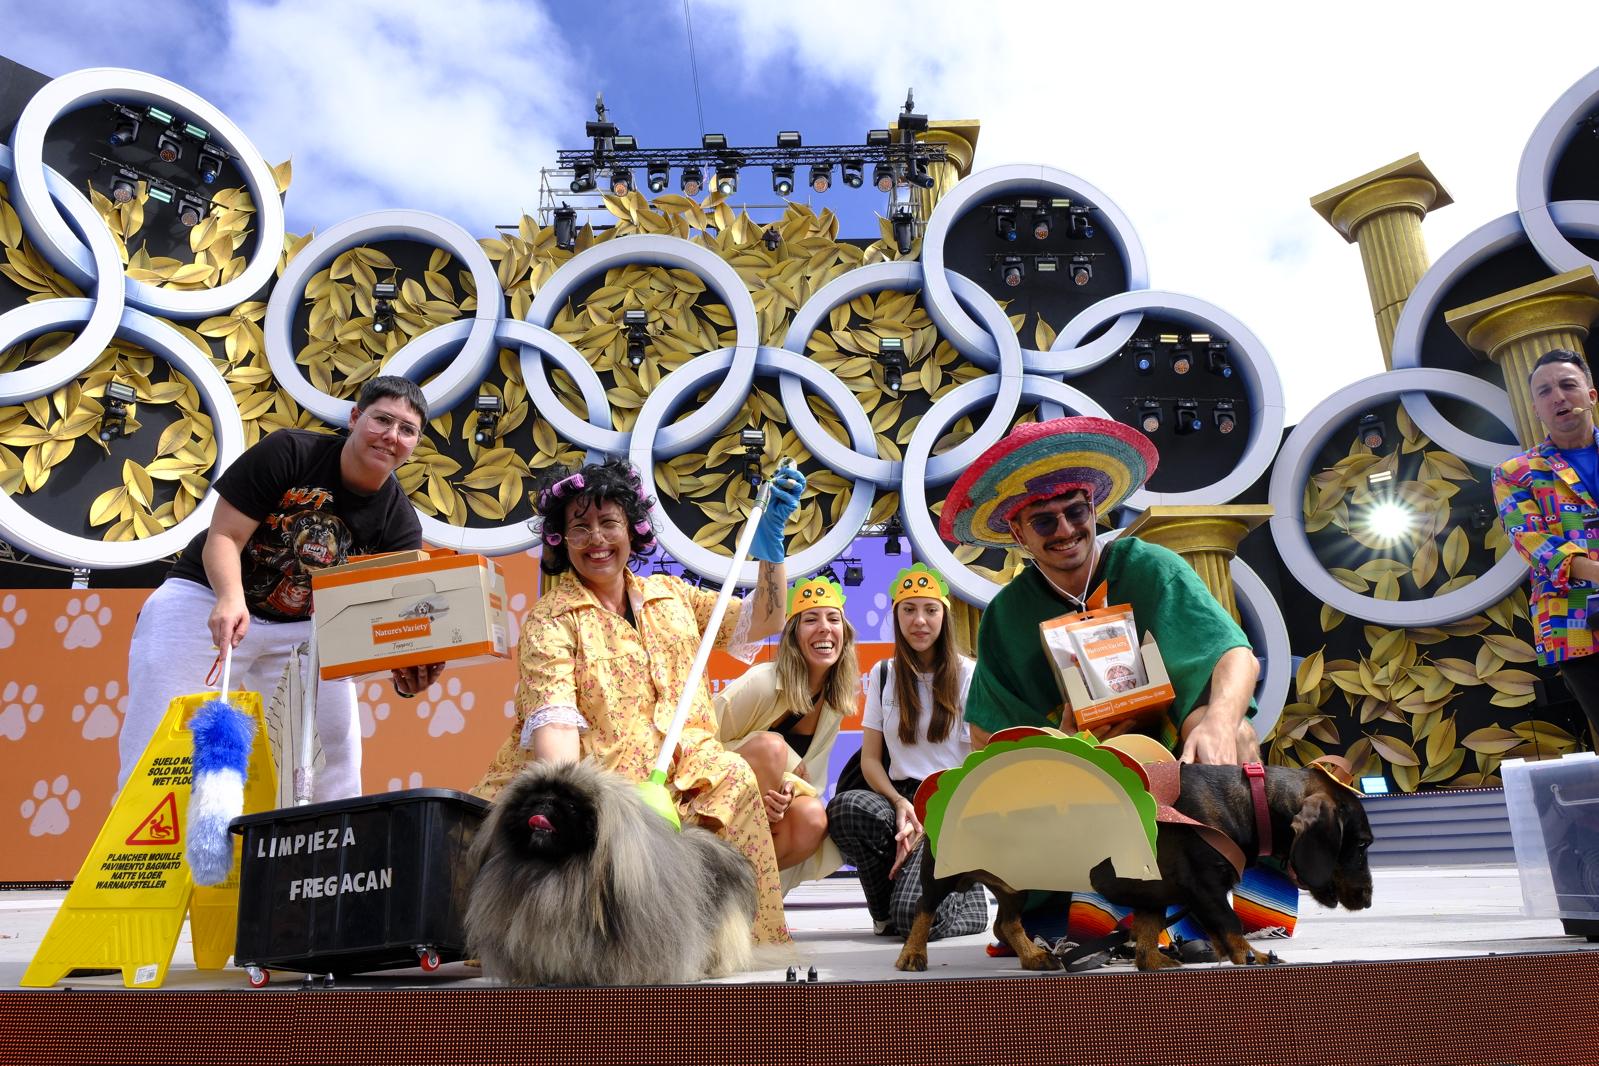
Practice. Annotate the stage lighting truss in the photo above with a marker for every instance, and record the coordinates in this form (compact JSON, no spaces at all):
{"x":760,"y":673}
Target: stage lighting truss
{"x":636,"y":323}
{"x":891,"y":357}
{"x":489,"y":408}
{"x":1186,"y":414}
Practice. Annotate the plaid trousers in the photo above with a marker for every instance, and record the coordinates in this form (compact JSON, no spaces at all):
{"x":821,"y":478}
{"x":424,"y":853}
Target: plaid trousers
{"x":861,"y":823}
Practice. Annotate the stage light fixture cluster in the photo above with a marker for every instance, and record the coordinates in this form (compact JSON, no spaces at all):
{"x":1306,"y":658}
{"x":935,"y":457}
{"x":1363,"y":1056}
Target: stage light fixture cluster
{"x":1185,"y":412}
{"x":174,"y":136}
{"x":191,"y":207}
{"x":1012,"y":266}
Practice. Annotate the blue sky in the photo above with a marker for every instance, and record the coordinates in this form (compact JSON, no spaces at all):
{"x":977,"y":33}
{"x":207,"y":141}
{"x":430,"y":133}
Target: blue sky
{"x":1210,"y":125}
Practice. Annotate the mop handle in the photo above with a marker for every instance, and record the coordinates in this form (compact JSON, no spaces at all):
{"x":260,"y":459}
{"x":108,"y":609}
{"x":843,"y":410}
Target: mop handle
{"x":685,"y":699}
{"x":227,"y":669}
{"x":302,"y":772}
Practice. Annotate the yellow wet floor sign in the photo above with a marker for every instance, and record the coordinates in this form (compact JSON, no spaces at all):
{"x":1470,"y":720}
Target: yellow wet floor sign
{"x":127,"y":904}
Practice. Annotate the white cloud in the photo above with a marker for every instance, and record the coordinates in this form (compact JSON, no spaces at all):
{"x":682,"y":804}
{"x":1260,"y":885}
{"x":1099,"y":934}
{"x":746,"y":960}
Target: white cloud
{"x":450,"y":107}
{"x":1212,"y":130}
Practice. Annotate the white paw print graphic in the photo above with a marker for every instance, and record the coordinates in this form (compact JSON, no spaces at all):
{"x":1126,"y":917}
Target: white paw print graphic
{"x":510,"y":708}
{"x":101,"y":710}
{"x":373,"y":709}
{"x":880,"y":618}
{"x":17,"y":709}
{"x":11,"y":619}
{"x":414,"y":781}
{"x":47,"y":810}
{"x":81,"y":624}
{"x":445,"y":714}
{"x":519,"y":606}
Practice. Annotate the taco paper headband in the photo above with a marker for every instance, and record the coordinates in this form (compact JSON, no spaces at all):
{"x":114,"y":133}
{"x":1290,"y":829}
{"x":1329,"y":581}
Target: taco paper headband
{"x":1040,"y":461}
{"x":917,"y":581}
{"x":815,"y":592}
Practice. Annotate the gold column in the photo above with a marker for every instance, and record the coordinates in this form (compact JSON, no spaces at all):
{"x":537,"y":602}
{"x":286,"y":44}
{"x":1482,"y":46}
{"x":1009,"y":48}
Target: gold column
{"x":1382,"y":212}
{"x":1514,"y":328}
{"x":1206,"y":537}
{"x":959,"y":138}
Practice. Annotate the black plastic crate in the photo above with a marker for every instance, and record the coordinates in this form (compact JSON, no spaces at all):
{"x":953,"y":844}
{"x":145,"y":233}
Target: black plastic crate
{"x":373,"y":883}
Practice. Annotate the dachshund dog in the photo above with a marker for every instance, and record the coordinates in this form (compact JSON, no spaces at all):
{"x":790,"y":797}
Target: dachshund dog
{"x":1318,"y":828}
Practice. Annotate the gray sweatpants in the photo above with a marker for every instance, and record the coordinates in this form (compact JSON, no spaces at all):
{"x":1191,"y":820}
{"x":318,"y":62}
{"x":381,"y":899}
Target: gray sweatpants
{"x":172,"y":653}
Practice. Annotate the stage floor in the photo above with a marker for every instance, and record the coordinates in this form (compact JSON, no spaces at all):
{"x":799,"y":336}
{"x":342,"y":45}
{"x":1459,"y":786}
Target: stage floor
{"x":1416,"y":913}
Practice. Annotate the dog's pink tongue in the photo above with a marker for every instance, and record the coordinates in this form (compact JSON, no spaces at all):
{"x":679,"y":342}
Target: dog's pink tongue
{"x":541,"y":824}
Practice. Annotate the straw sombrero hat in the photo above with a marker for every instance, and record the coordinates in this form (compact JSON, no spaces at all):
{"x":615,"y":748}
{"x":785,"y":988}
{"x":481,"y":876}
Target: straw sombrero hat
{"x":1040,"y":461}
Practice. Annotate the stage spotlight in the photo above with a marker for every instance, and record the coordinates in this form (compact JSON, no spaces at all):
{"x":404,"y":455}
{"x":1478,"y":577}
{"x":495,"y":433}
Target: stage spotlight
{"x":1012,"y":269}
{"x":1005,"y":222}
{"x":771,"y":238}
{"x":565,"y":227}
{"x":621,"y":181}
{"x":1143,"y":355}
{"x":883,"y":177}
{"x":1082,"y":270}
{"x":714,"y":142}
{"x":114,"y":410}
{"x":854,"y":572}
{"x":636,"y":322}
{"x":891,"y":356}
{"x":489,"y":407}
{"x":726,"y":179}
{"x":658,"y":176}
{"x":1226,"y":416}
{"x":1182,"y":357}
{"x":783,"y":180}
{"x":124,"y":186}
{"x":878,"y":138}
{"x":1216,"y":360}
{"x":891,"y":545}
{"x":1079,"y":227}
{"x":191,"y":209}
{"x":169,"y":146}
{"x":1389,"y":520}
{"x":1482,"y":516}
{"x":161,"y":192}
{"x":208,"y":164}
{"x":582,"y":178}
{"x":753,"y":441}
{"x":1150,"y":415}
{"x":624,"y":142}
{"x":789,"y":139}
{"x":919,"y":175}
{"x":125,"y":125}
{"x":1372,"y":432}
{"x":904,"y":228}
{"x":384,"y":294}
{"x":821,"y":177}
{"x":691,"y":181}
{"x":1041,"y":223}
{"x":1046,"y":264}
{"x":853,"y":172}
{"x":1188,"y":420}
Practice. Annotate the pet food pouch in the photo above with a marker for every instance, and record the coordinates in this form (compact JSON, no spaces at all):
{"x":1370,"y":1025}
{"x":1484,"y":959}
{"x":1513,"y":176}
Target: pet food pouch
{"x":1103,"y":645}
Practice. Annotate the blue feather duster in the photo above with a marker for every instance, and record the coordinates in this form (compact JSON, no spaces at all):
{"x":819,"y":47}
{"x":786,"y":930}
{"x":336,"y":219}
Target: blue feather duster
{"x":223,"y":736}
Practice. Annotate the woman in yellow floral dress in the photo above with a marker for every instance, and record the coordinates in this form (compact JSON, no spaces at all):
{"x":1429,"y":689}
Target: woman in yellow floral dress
{"x":604,"y":655}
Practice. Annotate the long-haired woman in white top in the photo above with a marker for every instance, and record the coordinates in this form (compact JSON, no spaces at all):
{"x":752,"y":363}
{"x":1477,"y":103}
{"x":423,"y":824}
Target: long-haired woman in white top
{"x":914,"y":726}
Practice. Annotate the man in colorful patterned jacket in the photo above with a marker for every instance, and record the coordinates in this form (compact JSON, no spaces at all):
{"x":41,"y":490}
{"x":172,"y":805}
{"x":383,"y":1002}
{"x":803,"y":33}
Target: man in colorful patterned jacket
{"x":1548,"y":499}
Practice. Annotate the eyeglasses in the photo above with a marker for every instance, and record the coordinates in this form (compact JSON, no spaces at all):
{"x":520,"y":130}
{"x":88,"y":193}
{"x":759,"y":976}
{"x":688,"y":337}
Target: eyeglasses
{"x":610,"y":529}
{"x":1076,"y":514}
{"x":384,"y":423}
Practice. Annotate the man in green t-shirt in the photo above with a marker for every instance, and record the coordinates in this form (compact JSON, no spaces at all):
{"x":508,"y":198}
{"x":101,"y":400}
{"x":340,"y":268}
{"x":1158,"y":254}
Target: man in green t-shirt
{"x":1043,"y":488}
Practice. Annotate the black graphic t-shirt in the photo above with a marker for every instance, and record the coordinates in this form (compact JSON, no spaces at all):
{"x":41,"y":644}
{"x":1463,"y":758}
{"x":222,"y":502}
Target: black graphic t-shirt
{"x":290,"y":483}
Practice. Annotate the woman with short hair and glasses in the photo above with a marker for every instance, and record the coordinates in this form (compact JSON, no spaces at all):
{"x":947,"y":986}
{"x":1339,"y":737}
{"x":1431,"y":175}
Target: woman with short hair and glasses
{"x":296,"y":502}
{"x":605,"y":653}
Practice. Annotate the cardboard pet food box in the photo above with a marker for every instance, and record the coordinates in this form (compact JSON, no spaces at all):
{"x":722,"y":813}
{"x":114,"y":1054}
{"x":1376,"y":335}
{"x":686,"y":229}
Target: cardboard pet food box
{"x":384,"y":612}
{"x":1134,"y":682}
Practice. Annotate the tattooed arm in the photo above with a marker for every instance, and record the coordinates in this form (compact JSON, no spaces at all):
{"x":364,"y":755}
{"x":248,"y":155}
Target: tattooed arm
{"x":767,"y":597}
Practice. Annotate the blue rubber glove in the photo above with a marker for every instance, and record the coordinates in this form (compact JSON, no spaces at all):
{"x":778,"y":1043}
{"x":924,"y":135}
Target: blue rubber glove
{"x":787,"y":485}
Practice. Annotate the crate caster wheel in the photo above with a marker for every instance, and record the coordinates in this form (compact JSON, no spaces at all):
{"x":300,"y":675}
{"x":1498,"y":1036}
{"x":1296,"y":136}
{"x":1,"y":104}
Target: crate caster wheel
{"x":428,"y":959}
{"x":258,"y":976}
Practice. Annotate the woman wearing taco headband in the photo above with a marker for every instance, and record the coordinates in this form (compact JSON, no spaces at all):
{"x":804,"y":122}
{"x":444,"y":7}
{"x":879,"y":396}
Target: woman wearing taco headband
{"x":915,"y":705}
{"x":783,"y":717}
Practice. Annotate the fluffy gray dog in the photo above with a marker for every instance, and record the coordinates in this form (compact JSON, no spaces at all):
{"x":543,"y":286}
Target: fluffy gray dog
{"x":579,"y":883}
